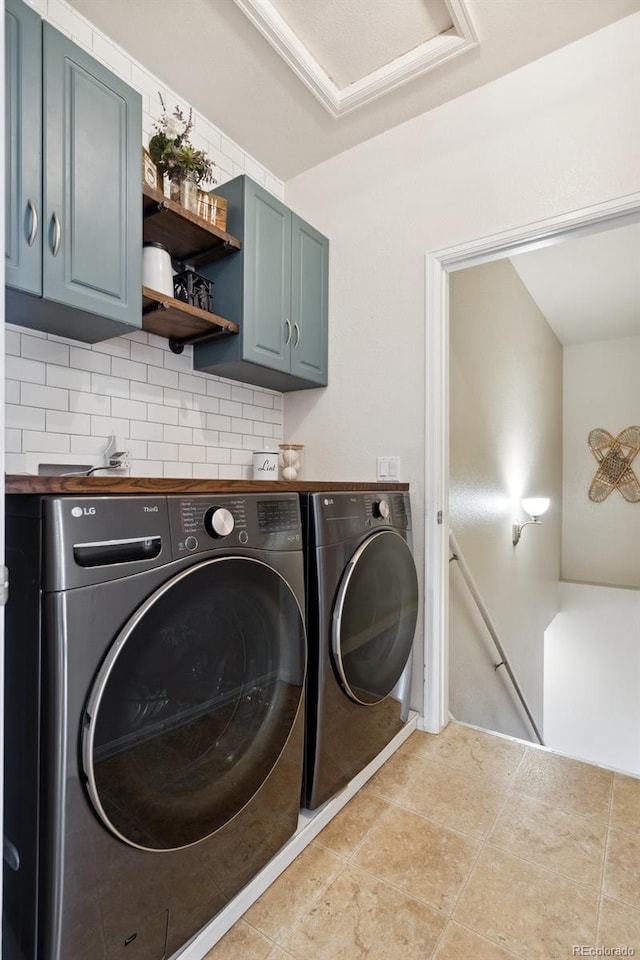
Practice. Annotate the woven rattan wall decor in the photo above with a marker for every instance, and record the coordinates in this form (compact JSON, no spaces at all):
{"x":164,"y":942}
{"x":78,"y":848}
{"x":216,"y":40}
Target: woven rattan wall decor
{"x":615,"y":456}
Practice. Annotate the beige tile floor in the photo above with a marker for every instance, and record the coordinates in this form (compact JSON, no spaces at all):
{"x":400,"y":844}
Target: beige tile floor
{"x":463,"y":846}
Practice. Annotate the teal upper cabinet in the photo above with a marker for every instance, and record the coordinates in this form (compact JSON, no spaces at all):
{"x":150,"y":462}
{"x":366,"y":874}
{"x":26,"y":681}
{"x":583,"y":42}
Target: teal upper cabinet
{"x":23,"y":139}
{"x":74,"y":220}
{"x":275,"y":289}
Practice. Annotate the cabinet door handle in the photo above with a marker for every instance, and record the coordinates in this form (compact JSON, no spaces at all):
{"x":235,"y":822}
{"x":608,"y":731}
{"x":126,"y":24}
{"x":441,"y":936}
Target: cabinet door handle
{"x":287,"y":339}
{"x":297,"y":330}
{"x":33,"y":214}
{"x":57,"y":234}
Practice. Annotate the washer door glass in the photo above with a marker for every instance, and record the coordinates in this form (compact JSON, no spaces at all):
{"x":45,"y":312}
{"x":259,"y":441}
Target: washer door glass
{"x":194,"y":703}
{"x":374,"y":617}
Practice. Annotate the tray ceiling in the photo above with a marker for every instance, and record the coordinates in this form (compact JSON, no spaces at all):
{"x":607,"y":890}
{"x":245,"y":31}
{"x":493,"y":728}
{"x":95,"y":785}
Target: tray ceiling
{"x":349,"y":54}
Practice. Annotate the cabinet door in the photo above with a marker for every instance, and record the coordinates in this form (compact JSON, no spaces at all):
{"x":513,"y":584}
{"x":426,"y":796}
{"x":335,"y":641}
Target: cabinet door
{"x":267,"y":282}
{"x":93,"y":220}
{"x":309,"y":308}
{"x":23,"y":145}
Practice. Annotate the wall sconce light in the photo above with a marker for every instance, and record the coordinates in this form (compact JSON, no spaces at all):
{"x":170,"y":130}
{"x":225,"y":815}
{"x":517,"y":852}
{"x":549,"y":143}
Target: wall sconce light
{"x":535,"y":507}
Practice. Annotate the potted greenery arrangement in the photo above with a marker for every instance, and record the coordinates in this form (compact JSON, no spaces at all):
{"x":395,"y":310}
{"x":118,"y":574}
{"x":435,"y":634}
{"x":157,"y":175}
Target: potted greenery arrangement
{"x":177,"y":158}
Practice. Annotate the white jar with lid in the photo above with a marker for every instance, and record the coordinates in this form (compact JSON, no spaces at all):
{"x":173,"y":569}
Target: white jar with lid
{"x":265,"y":464}
{"x":156,"y":268}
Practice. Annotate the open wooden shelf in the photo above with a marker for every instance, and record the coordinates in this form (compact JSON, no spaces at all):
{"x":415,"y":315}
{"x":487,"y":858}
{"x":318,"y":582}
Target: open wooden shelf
{"x":180,"y":322}
{"x":186,"y":236}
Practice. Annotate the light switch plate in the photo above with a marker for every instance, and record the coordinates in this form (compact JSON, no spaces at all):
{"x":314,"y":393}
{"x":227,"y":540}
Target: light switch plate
{"x":388,"y":468}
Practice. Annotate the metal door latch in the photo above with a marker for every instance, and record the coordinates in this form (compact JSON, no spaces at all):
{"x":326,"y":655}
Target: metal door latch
{"x":4,"y":585}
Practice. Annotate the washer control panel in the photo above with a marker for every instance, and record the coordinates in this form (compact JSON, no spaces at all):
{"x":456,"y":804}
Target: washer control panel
{"x":203,"y":522}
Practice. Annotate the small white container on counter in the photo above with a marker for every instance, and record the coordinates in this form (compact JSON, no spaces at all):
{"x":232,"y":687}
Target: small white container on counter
{"x":265,"y":465}
{"x":290,"y":458}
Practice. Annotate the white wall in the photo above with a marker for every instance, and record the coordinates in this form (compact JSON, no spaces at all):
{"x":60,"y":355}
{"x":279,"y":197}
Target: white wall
{"x":600,"y":541}
{"x":64,"y":399}
{"x":553,"y":137}
{"x":505,"y":444}
{"x":592,"y":676}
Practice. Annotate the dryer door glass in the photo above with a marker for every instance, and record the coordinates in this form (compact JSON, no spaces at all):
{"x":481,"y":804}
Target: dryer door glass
{"x":194,"y":703}
{"x":374,"y":617}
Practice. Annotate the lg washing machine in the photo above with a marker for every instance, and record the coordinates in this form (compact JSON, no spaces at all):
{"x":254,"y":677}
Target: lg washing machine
{"x":362,"y":608}
{"x":155,"y":664}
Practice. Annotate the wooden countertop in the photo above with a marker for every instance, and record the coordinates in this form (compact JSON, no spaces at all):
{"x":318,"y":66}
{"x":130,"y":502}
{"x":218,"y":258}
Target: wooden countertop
{"x":98,"y":486}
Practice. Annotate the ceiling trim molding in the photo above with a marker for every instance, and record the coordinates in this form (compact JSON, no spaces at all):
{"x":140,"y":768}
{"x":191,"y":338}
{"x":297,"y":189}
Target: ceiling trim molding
{"x":340,"y":101}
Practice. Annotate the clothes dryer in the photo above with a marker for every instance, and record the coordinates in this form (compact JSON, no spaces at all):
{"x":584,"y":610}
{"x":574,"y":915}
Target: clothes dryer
{"x":362,"y":608}
{"x":154,"y":715}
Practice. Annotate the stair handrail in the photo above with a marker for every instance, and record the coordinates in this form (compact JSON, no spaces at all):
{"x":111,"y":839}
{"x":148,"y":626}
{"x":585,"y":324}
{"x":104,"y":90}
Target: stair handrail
{"x":457,"y":555}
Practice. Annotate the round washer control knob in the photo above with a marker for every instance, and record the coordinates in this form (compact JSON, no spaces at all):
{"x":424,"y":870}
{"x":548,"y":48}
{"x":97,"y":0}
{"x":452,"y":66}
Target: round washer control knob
{"x":218,"y":522}
{"x":191,"y":543}
{"x":380,"y":509}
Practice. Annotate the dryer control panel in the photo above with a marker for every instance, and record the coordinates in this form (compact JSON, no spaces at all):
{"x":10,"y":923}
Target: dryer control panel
{"x":201,"y":523}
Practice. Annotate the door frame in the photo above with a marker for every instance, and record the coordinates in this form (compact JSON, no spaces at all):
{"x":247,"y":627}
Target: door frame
{"x":438,"y":265}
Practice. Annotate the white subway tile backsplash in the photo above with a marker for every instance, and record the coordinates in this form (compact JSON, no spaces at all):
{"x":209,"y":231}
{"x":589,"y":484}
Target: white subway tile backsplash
{"x":218,"y":455}
{"x":143,"y":353}
{"x":217,"y":422}
{"x":194,"y":384}
{"x":46,"y":442}
{"x":191,"y":453}
{"x":120,"y":347}
{"x":161,"y":414}
{"x":112,"y":55}
{"x":147,"y":392}
{"x":12,"y":343}
{"x":181,"y":362}
{"x":110,"y":386}
{"x":89,"y":403}
{"x":241,"y":394}
{"x":255,"y":170}
{"x":162,"y":378}
{"x":29,"y":371}
{"x":218,"y":388}
{"x":128,"y":369}
{"x":192,"y":418}
{"x":263,"y":399}
{"x":231,"y":408}
{"x":105,"y":426}
{"x":231,"y":472}
{"x":178,"y":398}
{"x":131,"y":409}
{"x":24,"y":418}
{"x":206,"y":404}
{"x":273,"y":416}
{"x":67,"y":398}
{"x":143,"y":430}
{"x":239,"y":425}
{"x":206,"y":438}
{"x":177,"y":470}
{"x":206,"y":471}
{"x":13,"y":441}
{"x":162,"y":451}
{"x":69,"y":22}
{"x":33,"y":395}
{"x":177,"y":434}
{"x":59,"y":421}
{"x":83,"y":359}
{"x":12,"y":391}
{"x":91,"y":448}
{"x":68,"y":378}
